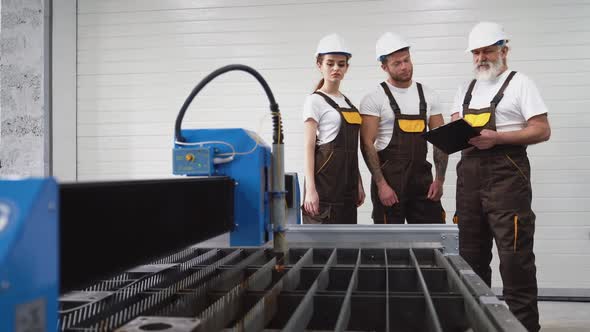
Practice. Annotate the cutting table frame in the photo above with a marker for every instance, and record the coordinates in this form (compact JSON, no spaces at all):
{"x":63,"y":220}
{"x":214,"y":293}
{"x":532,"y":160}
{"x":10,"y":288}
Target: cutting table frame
{"x":403,"y":279}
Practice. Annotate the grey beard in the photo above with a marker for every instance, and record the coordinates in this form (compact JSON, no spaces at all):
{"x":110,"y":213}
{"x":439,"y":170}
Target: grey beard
{"x":489,"y":74}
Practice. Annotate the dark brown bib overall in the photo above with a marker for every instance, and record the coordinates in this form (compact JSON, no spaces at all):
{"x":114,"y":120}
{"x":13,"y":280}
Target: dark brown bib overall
{"x":406,"y":170}
{"x":336,"y":170}
{"x":494,"y":202}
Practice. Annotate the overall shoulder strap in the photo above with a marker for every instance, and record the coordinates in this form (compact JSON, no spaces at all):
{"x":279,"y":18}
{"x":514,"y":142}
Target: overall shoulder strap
{"x":348,"y":102}
{"x":328,"y":100}
{"x":467,"y":98}
{"x":423,"y":104}
{"x":392,"y":102}
{"x":498,"y":97}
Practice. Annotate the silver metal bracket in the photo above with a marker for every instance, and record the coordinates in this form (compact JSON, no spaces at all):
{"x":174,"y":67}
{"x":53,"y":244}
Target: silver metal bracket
{"x":491,"y":300}
{"x":151,"y":268}
{"x":450,"y":242}
{"x":82,"y":296}
{"x":168,"y":324}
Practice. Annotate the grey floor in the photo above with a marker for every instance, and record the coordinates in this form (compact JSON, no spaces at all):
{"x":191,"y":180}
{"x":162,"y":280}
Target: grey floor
{"x":564,"y":316}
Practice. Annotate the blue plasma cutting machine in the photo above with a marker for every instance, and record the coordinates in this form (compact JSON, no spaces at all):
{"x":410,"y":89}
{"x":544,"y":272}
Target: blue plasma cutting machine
{"x":131,"y":256}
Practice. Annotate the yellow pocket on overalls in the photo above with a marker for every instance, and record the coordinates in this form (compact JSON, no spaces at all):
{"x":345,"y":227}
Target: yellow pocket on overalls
{"x":478,"y":120}
{"x":411,"y":126}
{"x":523,"y":224}
{"x":352,"y":117}
{"x":515,"y":231}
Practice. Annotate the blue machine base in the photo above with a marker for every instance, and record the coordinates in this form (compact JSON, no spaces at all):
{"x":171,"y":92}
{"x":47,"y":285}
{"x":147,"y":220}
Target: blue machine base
{"x":29,"y":280}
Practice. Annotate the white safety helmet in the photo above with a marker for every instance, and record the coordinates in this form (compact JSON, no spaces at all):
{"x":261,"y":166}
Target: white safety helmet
{"x":485,"y":34}
{"x":389,"y":43}
{"x":332,"y":44}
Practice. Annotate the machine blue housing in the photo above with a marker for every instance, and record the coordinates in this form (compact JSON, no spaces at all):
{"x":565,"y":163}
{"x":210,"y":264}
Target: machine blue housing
{"x":29,"y":271}
{"x":242,"y":155}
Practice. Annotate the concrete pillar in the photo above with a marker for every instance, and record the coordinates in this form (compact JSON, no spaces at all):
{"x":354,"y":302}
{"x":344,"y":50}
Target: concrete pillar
{"x":25,"y":112}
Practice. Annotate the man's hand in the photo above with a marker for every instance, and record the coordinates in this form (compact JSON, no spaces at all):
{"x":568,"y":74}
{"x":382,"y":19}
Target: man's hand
{"x":361,"y":196}
{"x":487,"y":139}
{"x":312,"y":202}
{"x":387,"y":195}
{"x":435,"y":191}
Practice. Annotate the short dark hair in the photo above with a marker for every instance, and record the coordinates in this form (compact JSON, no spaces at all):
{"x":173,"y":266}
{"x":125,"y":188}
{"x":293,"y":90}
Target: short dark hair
{"x":383,"y":58}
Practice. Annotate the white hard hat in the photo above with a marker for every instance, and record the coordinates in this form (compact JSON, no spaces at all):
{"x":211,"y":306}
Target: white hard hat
{"x":389,"y":43}
{"x":485,"y":34}
{"x":331,"y":44}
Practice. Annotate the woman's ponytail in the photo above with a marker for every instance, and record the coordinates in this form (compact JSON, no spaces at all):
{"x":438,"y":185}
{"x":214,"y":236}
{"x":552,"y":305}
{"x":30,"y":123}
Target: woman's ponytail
{"x":320,"y":84}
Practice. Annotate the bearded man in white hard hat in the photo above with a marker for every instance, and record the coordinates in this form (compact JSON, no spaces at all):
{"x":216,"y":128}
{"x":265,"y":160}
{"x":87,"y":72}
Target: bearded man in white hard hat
{"x":493,"y":177}
{"x":395,"y":115}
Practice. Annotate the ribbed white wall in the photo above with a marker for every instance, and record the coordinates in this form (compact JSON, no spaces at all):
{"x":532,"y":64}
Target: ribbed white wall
{"x":139,"y":59}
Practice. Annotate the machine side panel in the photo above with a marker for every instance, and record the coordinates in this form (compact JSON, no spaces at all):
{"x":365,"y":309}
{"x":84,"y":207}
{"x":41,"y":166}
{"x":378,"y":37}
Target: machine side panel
{"x":109,"y":227}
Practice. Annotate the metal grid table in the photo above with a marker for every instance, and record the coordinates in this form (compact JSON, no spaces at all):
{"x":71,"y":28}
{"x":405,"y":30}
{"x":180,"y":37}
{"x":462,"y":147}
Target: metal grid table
{"x":318,"y":289}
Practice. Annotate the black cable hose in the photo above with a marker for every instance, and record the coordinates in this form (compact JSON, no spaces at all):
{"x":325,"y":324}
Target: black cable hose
{"x":274,"y":107}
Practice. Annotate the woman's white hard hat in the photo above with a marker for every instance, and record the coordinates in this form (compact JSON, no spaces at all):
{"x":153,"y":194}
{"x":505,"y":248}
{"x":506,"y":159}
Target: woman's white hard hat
{"x":333,"y":44}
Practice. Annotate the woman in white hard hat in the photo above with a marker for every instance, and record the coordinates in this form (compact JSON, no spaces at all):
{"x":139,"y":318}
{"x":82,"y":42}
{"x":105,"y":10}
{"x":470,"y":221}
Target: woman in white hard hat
{"x":333,"y":187}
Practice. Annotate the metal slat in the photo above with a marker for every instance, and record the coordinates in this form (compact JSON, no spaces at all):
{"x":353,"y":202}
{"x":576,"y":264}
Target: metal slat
{"x":157,"y":299}
{"x":225,"y":310}
{"x":200,"y":259}
{"x":74,"y":316}
{"x":304,"y":311}
{"x":234,"y":275}
{"x":195,"y":302}
{"x":432,"y":317}
{"x":292,"y":277}
{"x":151,"y":300}
{"x":260,"y":280}
{"x":181,"y":255}
{"x":265,"y":309}
{"x":344,"y":315}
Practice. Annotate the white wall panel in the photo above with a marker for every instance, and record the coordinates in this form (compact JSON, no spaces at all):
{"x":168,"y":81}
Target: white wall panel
{"x":138,"y":60}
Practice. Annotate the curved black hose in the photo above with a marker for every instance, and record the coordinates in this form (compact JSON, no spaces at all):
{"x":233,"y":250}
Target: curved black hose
{"x":274,"y":107}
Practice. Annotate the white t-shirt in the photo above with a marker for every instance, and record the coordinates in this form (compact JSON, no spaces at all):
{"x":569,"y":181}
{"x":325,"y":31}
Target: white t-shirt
{"x":326,"y":116}
{"x":376,"y":103}
{"x":521,"y":100}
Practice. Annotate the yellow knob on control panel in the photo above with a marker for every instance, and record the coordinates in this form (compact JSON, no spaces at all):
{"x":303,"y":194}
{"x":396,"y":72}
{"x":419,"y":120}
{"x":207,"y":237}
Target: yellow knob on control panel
{"x":189,"y":157}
